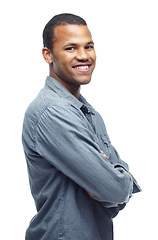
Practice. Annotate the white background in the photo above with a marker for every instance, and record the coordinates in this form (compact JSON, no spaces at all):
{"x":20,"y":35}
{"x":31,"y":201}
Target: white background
{"x":123,"y":90}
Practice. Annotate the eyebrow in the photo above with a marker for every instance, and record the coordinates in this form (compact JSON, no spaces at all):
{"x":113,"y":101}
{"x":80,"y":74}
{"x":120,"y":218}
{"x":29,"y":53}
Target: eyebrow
{"x":74,"y":44}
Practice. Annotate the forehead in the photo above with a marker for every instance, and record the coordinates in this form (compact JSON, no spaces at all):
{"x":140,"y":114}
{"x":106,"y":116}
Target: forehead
{"x":76,"y":34}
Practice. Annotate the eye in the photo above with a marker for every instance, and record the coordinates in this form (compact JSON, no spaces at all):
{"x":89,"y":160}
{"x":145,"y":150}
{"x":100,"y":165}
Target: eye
{"x":89,"y":47}
{"x":70,"y":49}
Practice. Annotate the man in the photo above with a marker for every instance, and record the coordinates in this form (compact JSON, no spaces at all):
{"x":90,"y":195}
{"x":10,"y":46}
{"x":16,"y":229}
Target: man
{"x":78,"y":181}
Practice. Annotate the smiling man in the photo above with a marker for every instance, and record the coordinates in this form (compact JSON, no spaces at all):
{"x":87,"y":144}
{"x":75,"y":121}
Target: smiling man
{"x":72,"y":56}
{"x":77,"y":179}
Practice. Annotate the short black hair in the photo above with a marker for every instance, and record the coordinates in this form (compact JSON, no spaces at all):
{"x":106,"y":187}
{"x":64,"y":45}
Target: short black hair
{"x":57,"y":20}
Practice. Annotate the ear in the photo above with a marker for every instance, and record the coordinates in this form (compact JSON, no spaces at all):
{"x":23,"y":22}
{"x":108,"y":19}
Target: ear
{"x":47,"y":54}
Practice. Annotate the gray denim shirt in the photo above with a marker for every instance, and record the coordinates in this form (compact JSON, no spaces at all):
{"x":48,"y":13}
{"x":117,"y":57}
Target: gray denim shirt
{"x":63,"y":140}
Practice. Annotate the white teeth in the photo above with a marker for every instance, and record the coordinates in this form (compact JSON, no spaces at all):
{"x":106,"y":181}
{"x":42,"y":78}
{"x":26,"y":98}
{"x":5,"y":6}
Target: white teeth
{"x":82,"y":67}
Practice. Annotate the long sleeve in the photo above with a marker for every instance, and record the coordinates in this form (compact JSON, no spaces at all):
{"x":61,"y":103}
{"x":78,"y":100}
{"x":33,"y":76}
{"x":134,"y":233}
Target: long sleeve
{"x":66,"y":142}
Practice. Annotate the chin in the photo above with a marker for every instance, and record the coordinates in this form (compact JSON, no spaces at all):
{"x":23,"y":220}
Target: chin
{"x":87,"y":82}
{"x":84,"y":81}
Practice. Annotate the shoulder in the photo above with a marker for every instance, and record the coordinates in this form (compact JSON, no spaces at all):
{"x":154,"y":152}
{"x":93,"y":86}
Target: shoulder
{"x":46,"y":111}
{"x":46,"y":100}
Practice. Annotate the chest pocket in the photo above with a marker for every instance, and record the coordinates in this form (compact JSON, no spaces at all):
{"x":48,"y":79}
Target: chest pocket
{"x":105,"y":145}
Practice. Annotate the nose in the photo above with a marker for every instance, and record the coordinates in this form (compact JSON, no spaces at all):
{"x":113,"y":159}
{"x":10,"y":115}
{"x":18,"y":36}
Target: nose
{"x":82,"y":55}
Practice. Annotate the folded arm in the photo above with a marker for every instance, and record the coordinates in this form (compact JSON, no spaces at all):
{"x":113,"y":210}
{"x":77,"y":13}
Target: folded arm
{"x":66,"y":142}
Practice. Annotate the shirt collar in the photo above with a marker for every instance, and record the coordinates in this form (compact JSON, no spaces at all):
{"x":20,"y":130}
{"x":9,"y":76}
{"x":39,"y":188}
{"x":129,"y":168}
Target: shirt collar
{"x":57,"y":87}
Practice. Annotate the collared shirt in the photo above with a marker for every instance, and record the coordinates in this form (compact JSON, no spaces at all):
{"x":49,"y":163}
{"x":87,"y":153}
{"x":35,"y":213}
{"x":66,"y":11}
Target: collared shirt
{"x":65,"y":143}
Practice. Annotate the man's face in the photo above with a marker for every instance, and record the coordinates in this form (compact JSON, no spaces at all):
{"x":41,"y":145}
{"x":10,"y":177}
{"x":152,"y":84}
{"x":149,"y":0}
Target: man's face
{"x":73,"y":55}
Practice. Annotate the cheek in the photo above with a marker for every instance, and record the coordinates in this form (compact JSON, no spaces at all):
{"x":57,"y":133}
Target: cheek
{"x":64,"y":61}
{"x":93,"y":56}
{"x":62,"y":69}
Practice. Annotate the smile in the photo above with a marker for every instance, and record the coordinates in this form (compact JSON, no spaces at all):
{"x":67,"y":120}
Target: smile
{"x":84,"y":68}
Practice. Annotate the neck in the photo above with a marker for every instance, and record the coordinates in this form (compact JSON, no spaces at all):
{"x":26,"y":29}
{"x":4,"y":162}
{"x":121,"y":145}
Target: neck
{"x":72,"y":88}
{"x":75,"y":91}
